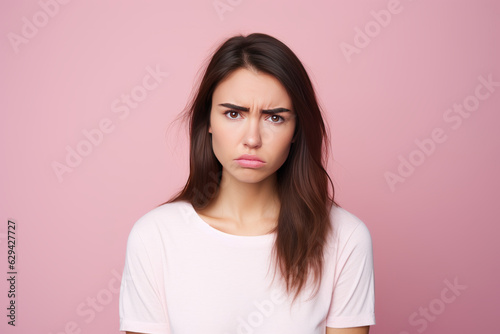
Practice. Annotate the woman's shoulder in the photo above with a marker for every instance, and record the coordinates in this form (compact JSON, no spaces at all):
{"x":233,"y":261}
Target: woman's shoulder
{"x":347,"y":227}
{"x":164,"y":215}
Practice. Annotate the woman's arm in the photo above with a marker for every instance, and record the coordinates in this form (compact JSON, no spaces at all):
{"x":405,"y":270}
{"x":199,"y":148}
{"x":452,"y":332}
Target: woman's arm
{"x":352,"y":330}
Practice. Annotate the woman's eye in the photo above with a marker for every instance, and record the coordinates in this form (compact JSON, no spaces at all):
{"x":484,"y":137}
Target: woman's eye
{"x":276,"y":119}
{"x":231,"y":113}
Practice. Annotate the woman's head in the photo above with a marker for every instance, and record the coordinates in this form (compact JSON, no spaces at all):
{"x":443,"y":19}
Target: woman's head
{"x":251,"y":114}
{"x":270,"y":58}
{"x":260,"y":72}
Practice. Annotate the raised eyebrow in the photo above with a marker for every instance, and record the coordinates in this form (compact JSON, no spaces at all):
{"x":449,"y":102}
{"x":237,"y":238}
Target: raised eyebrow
{"x":264,"y":111}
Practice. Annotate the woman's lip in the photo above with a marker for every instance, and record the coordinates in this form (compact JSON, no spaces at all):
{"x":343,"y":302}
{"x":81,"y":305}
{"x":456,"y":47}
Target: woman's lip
{"x":249,"y":157}
{"x":249,"y":163}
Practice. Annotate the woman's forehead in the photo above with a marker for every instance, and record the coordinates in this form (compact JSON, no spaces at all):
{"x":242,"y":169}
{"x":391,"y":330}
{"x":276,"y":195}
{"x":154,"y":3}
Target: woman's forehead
{"x":249,"y":89}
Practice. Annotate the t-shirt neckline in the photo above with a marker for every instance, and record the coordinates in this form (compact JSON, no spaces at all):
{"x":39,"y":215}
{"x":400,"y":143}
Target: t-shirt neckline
{"x":256,"y":240}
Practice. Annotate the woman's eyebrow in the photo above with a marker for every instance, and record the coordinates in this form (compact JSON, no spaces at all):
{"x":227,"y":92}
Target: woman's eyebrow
{"x":264,"y":111}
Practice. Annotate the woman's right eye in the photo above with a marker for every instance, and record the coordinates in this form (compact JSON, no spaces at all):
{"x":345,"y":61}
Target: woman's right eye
{"x":231,"y":113}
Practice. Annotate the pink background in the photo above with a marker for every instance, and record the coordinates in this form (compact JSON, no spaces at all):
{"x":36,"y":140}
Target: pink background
{"x":439,"y":225}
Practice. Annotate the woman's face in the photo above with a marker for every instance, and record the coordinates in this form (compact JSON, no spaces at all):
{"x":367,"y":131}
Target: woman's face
{"x":242,"y":121}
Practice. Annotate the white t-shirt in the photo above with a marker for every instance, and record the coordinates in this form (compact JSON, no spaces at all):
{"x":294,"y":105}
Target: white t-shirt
{"x":183,"y":276}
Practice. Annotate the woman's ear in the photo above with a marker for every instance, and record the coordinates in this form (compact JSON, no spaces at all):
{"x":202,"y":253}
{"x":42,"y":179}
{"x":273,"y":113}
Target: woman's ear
{"x":210,"y":129}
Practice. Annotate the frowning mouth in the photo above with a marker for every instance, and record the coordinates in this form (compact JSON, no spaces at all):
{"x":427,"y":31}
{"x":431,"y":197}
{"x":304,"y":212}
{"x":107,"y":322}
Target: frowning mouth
{"x":250,"y":163}
{"x":250,"y":158}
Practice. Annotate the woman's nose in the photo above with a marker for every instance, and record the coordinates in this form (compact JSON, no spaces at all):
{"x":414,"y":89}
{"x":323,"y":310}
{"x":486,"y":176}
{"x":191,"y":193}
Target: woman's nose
{"x":252,"y":136}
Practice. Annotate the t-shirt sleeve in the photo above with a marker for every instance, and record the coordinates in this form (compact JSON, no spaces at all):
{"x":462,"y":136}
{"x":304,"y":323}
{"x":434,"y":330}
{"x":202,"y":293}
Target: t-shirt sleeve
{"x":353,"y":300}
{"x":140,"y":304}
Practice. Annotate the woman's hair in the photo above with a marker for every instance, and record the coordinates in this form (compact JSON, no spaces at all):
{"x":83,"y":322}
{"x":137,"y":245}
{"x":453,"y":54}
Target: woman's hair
{"x":304,"y":223}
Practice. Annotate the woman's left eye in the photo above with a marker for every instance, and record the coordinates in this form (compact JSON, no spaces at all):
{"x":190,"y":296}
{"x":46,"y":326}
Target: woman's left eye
{"x":278,"y":118}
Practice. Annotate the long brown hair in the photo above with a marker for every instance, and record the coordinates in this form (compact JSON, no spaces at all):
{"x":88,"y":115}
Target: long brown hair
{"x":303,"y":224}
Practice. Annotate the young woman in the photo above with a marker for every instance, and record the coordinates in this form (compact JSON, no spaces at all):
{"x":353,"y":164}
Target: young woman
{"x":254,"y":242}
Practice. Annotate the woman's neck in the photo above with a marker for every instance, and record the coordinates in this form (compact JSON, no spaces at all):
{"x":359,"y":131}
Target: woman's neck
{"x":245,"y":206}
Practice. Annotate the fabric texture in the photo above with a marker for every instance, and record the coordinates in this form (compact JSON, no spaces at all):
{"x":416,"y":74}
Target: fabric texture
{"x":183,"y":276}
